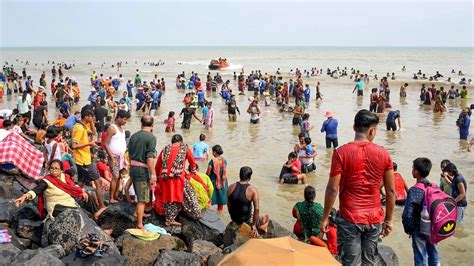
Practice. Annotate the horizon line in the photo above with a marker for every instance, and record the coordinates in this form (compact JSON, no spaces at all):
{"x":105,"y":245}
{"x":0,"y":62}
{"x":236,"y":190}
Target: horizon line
{"x":223,"y":46}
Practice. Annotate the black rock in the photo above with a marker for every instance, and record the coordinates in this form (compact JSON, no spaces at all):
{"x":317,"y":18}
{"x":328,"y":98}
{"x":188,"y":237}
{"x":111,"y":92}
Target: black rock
{"x":210,"y":228}
{"x":9,"y":188}
{"x":214,"y":259}
{"x":204,"y":249}
{"x":35,"y":257}
{"x":172,"y":257}
{"x":7,"y":210}
{"x":7,"y":253}
{"x":275,"y":230}
{"x":387,"y":257}
{"x":55,"y":250}
{"x":19,"y":242}
{"x":30,"y":230}
{"x":71,"y":225}
{"x":107,"y":260}
{"x":118,"y":217}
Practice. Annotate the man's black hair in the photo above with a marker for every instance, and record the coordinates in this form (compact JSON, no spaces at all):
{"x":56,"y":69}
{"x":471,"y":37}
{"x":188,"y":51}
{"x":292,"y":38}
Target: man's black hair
{"x":245,"y":173}
{"x":364,"y":120}
{"x":423,"y":166}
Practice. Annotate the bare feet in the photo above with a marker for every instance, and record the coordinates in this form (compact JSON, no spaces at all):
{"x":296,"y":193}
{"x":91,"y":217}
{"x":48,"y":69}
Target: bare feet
{"x":113,"y":201}
{"x":98,"y":213}
{"x":145,"y":215}
{"x":265,"y":220}
{"x":172,"y":223}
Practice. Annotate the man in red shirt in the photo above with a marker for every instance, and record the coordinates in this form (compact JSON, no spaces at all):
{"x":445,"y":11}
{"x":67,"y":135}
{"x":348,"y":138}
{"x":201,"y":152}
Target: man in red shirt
{"x":357,"y":171}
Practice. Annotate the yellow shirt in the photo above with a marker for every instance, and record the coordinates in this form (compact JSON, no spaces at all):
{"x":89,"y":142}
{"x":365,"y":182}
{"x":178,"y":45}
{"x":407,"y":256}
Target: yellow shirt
{"x":55,"y":196}
{"x":82,"y":156}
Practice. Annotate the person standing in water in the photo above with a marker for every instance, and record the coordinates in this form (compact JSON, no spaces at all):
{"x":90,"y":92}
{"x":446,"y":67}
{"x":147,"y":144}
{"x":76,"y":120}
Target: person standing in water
{"x":217,"y":171}
{"x":391,"y":118}
{"x":330,"y":127}
{"x":254,"y":111}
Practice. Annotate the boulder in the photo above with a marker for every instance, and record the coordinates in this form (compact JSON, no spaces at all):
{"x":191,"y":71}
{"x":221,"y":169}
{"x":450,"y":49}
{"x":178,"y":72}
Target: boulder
{"x":141,"y":252}
{"x":210,"y":228}
{"x":118,"y":217}
{"x":7,"y":253}
{"x":275,"y":230}
{"x":387,"y":256}
{"x":172,"y":257}
{"x":19,"y":242}
{"x":7,"y":210}
{"x":107,"y":260}
{"x":214,"y":259}
{"x":35,"y":257}
{"x":204,"y":249}
{"x":56,"y":250}
{"x":73,"y":224}
{"x":235,"y":234}
{"x":8,"y":188}
{"x":30,"y":230}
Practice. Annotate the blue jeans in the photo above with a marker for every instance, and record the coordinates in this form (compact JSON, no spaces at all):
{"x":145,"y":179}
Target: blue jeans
{"x":461,"y":211}
{"x":422,"y":249}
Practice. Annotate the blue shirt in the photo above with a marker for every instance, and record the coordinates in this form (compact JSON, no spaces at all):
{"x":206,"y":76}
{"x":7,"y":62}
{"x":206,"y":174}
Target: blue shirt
{"x":360,"y":85}
{"x":455,"y":190}
{"x":330,"y":127}
{"x":392,"y":115}
{"x":71,"y":121}
{"x":156,"y":96}
{"x":115,"y":83}
{"x":309,"y":149}
{"x":200,"y":95}
{"x":204,"y":111}
{"x":199,"y":149}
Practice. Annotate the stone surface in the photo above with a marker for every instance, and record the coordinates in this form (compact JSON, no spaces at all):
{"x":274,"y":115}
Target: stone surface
{"x":214,"y":259}
{"x":387,"y":257}
{"x":275,"y":230}
{"x":236,"y":234}
{"x":172,"y":257}
{"x":29,"y":229}
{"x":35,"y":257}
{"x":204,"y":249}
{"x":210,"y":228}
{"x":56,"y":250}
{"x":8,"y":188}
{"x":7,"y":210}
{"x":19,"y":242}
{"x":7,"y":253}
{"x":118,"y":217}
{"x":141,"y":252}
{"x":108,"y":259}
{"x":73,"y":224}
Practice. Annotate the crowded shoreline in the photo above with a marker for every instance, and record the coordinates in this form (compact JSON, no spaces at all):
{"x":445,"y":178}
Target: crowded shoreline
{"x":244,"y":101}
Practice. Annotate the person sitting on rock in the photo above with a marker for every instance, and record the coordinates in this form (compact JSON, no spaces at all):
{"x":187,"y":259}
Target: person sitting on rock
{"x":308,"y":214}
{"x":240,"y":198}
{"x":60,"y":194}
{"x":202,"y":186}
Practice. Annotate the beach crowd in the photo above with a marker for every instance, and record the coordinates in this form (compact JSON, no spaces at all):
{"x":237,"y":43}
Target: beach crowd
{"x":92,"y":161}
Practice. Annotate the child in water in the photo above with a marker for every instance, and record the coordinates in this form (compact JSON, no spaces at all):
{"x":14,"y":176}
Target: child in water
{"x":216,"y":170}
{"x":266,"y":93}
{"x":169,"y":122}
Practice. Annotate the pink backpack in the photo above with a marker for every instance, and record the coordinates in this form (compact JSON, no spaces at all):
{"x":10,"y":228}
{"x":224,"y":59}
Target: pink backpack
{"x":443,"y":212}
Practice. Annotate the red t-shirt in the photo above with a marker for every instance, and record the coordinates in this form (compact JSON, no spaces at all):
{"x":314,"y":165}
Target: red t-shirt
{"x":296,"y":164}
{"x":362,"y":166}
{"x":400,"y":193}
{"x":102,"y":168}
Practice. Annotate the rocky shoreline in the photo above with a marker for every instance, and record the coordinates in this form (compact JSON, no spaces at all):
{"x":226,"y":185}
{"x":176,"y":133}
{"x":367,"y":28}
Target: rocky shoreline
{"x":203,"y":242}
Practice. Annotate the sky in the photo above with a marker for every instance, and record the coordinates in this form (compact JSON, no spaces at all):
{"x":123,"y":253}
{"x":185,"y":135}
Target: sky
{"x":27,"y":23}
